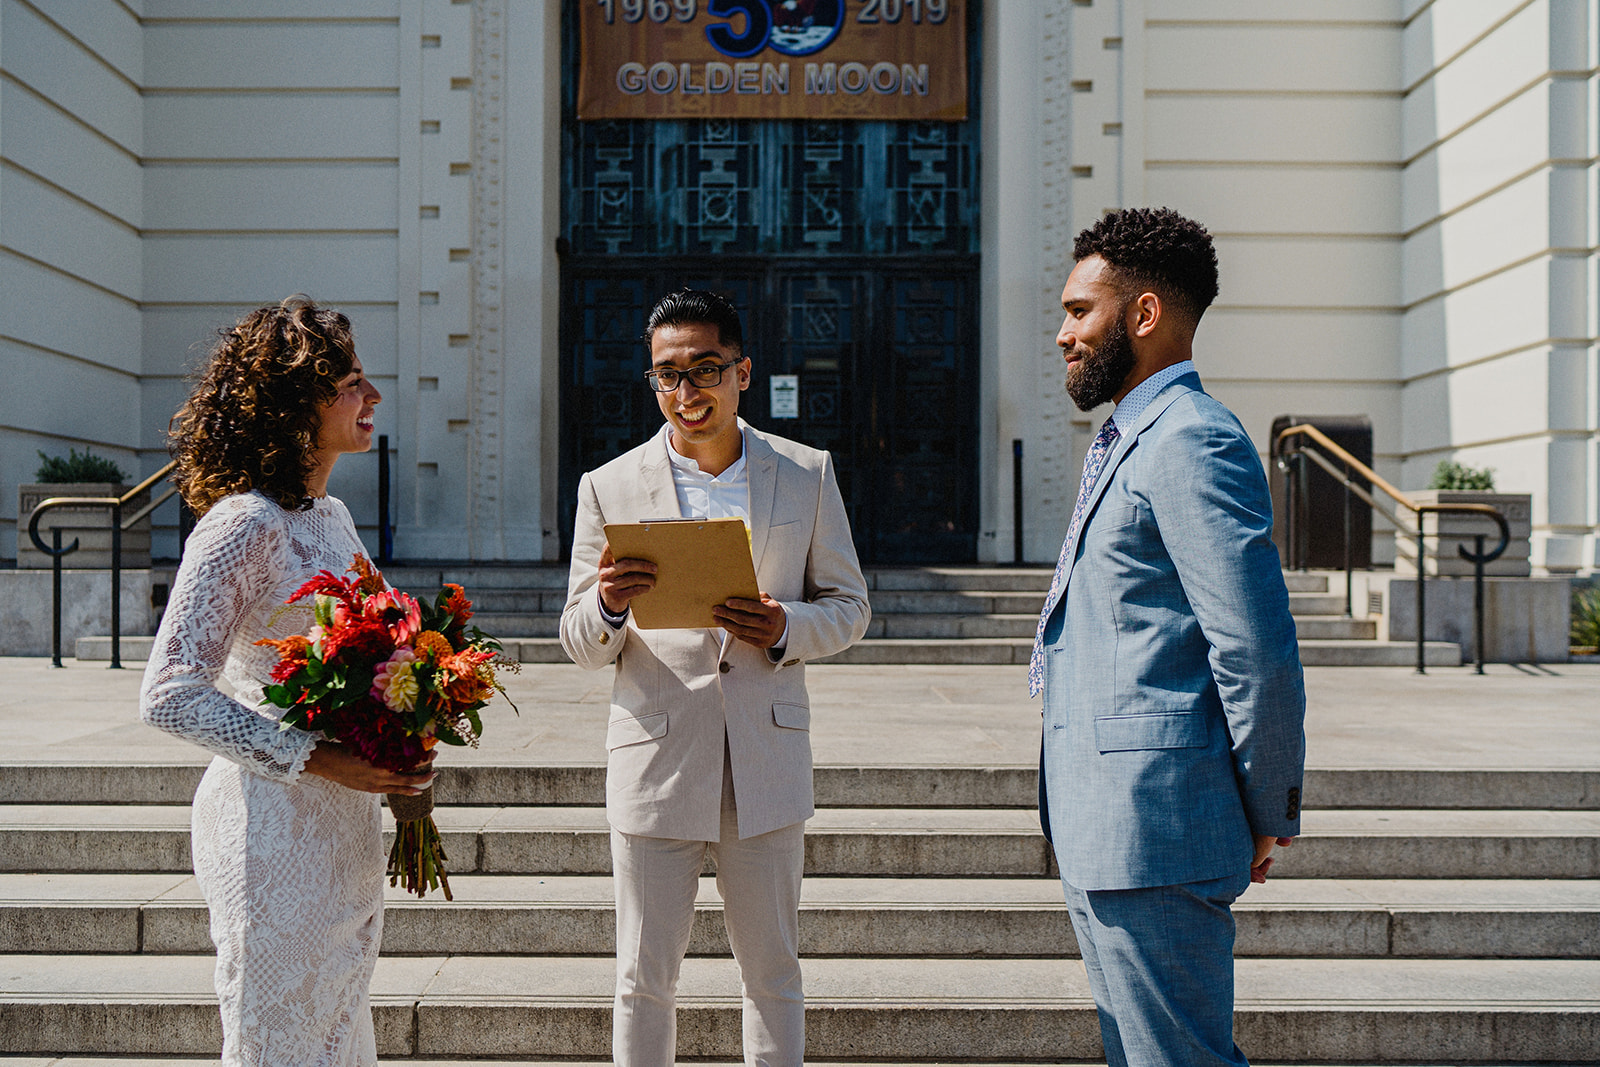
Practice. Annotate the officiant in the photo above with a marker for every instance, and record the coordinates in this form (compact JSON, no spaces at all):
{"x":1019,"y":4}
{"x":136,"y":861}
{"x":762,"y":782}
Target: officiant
{"x":709,"y":746}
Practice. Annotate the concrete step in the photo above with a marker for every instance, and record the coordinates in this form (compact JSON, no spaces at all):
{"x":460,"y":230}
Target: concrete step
{"x":936,"y":651}
{"x":190,"y":1061}
{"x":583,"y":785}
{"x":957,"y":602}
{"x":519,"y":602}
{"x":911,"y":842}
{"x":476,"y":578}
{"x":874,"y":917}
{"x":917,"y":625}
{"x":1334,"y":627}
{"x":1313,"y":581}
{"x":1316,"y":603}
{"x":1335,"y":653}
{"x":929,"y":650}
{"x":523,"y":625}
{"x":1016,"y":650}
{"x":994,"y":579}
{"x":1451,"y":1011}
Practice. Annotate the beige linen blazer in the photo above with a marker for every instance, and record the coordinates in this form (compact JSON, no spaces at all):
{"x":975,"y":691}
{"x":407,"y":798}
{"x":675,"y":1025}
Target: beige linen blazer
{"x":677,"y":693}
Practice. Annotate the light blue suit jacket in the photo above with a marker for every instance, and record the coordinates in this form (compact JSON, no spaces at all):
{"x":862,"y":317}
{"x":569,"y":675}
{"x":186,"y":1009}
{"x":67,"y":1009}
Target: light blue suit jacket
{"x":1173,"y":698}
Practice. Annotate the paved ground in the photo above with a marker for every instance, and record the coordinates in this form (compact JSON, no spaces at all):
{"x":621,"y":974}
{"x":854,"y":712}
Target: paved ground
{"x":1513,"y":717}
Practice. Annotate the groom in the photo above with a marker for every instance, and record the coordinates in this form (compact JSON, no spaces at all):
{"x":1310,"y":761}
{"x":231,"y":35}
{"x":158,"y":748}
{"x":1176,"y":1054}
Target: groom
{"x":1173,"y":699}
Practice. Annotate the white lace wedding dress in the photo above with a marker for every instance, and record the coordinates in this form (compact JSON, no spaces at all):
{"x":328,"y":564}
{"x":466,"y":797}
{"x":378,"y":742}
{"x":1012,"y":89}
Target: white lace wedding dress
{"x":291,"y":864}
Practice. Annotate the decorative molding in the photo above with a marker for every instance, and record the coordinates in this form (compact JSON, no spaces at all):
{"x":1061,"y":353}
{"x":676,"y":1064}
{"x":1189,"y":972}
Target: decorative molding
{"x":1056,"y":489}
{"x":486,"y":376}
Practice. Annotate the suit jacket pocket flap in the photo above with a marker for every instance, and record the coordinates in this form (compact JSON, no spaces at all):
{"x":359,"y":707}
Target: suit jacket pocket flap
{"x":792,"y":716}
{"x":1167,"y":729}
{"x":635,"y":728}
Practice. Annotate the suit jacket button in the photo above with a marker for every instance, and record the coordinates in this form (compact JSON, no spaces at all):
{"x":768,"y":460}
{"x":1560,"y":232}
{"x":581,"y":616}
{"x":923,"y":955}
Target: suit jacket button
{"x":605,"y":639}
{"x":724,"y":667}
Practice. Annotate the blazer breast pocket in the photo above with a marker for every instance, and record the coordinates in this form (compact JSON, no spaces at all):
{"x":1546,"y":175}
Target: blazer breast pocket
{"x":635,"y":729}
{"x":1153,"y":730}
{"x":1125,"y":515}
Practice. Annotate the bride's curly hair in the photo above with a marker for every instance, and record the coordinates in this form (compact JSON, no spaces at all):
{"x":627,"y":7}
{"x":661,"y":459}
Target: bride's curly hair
{"x":255,"y":408}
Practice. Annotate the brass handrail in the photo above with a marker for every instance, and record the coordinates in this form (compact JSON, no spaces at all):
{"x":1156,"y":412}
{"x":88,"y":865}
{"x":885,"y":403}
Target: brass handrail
{"x":118,"y":525}
{"x":1479,"y":559}
{"x":1371,"y":475}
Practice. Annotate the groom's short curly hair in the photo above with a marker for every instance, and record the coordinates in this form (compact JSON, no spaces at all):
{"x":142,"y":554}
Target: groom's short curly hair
{"x":1156,"y":250}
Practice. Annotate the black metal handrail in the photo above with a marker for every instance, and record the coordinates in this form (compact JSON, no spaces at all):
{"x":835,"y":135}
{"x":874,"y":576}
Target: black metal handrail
{"x":1296,"y":453}
{"x":56,"y":551}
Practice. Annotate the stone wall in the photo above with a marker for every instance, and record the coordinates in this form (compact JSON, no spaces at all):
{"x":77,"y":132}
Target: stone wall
{"x":25,"y":608}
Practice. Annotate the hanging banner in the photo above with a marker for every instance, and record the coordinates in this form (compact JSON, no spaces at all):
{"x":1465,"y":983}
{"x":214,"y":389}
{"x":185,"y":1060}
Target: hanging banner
{"x":772,"y":59}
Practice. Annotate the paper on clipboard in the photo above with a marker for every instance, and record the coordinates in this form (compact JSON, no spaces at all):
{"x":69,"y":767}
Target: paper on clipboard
{"x":700,"y":563}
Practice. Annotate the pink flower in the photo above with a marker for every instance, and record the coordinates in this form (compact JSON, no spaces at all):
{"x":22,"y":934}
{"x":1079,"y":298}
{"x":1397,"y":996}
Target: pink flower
{"x":395,"y":683}
{"x":399,"y":612}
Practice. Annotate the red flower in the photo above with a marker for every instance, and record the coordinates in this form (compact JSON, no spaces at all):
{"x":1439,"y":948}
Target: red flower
{"x":358,"y":640}
{"x":327,"y":585}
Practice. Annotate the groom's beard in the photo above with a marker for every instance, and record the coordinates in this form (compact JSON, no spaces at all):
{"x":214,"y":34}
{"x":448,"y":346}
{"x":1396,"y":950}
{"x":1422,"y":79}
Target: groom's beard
{"x":1097,"y":377}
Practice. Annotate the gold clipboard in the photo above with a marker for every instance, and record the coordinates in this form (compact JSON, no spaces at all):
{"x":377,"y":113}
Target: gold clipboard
{"x":700,"y":563}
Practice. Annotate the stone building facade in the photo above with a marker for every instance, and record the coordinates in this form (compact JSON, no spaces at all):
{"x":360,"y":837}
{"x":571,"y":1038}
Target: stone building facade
{"x":1403,"y":193}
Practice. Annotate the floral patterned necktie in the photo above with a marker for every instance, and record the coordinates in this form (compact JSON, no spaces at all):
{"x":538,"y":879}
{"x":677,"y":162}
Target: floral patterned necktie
{"x":1093,"y":463}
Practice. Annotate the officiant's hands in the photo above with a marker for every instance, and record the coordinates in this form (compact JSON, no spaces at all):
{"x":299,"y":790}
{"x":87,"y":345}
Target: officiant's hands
{"x":623,"y":579}
{"x":1262,"y":863}
{"x":338,"y":764}
{"x":755,"y":622}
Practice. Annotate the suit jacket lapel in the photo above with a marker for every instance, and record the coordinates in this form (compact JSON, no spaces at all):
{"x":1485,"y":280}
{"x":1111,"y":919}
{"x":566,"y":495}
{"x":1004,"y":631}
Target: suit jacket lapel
{"x":1125,"y":442}
{"x":761,"y":467}
{"x":656,"y":478}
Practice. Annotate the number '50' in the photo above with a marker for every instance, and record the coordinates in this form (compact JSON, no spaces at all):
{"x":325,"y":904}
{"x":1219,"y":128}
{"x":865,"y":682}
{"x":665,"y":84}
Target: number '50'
{"x":757,"y":25}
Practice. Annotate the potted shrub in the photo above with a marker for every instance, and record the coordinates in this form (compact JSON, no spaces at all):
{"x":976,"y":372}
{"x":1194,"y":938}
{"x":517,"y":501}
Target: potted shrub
{"x":84,"y":474}
{"x":1456,"y":483}
{"x":1584,"y":636}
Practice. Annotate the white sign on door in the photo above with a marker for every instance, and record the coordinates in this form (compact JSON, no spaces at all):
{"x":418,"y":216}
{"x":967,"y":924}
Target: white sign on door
{"x":784,"y":402}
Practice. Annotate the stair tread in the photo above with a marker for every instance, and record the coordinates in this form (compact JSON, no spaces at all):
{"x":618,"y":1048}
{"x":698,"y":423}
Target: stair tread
{"x":1277,"y":984}
{"x":534,"y":891}
{"x":1387,"y":822}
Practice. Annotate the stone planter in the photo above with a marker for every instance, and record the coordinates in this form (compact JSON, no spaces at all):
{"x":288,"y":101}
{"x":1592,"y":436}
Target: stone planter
{"x":90,"y":525}
{"x":1443,"y":533}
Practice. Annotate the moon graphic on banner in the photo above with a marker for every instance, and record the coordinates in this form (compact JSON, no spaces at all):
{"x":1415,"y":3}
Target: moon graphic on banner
{"x":801,"y":27}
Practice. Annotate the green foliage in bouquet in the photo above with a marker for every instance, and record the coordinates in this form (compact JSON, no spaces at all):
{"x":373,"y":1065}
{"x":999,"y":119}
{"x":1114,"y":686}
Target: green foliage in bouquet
{"x":75,"y":468}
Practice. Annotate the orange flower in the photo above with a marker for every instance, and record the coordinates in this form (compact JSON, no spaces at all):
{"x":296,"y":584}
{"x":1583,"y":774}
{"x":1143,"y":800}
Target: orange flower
{"x":432,"y":643}
{"x":471,"y":676}
{"x":293,"y":647}
{"x":370,"y":581}
{"x":458,"y":604}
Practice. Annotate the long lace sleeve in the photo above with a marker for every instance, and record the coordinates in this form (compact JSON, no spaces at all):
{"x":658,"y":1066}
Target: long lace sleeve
{"x":234,"y":566}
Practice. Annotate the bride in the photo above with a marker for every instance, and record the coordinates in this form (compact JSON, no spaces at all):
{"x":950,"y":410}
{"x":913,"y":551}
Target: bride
{"x":287,"y":832}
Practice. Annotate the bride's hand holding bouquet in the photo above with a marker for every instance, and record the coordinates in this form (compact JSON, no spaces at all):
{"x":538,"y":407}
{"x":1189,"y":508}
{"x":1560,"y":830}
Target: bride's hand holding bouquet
{"x":388,"y":677}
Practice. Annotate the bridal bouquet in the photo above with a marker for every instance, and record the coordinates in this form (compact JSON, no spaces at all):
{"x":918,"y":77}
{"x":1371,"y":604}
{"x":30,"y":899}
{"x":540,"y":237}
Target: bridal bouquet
{"x":389,"y":677}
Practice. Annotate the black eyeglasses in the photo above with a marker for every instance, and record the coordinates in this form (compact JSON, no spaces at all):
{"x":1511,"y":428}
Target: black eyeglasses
{"x":701,"y":375}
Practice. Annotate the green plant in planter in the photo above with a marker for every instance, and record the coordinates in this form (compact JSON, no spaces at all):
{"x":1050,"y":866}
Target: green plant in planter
{"x":1452,"y":475}
{"x":1585,"y":632}
{"x":75,"y":468}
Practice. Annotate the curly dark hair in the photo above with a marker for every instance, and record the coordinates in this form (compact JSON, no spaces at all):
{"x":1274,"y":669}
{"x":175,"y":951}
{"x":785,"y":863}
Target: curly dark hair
{"x":688,"y":306}
{"x":255,"y":408}
{"x":1158,"y":250}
